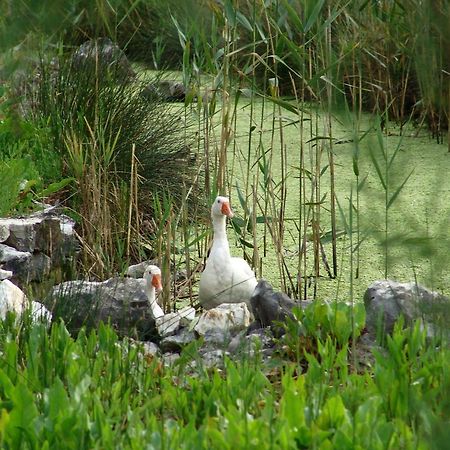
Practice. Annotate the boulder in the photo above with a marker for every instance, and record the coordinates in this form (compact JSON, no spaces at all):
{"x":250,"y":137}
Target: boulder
{"x":122,"y":302}
{"x":5,"y":274}
{"x":171,"y":322}
{"x":30,"y":247}
{"x":103,"y":57}
{"x":24,"y":266}
{"x":230,"y":317}
{"x":270,"y":308}
{"x":150,"y":348}
{"x":176,"y":342}
{"x":165,"y":90}
{"x":12,"y":299}
{"x":385,"y":301}
{"x":39,"y":313}
{"x":137,"y":270}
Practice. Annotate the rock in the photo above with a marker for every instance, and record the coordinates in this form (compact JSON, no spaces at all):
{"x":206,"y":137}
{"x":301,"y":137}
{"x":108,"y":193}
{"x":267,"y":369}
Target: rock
{"x":20,"y":233}
{"x":25,"y":266}
{"x":137,"y":270}
{"x":39,"y":313}
{"x":5,"y":274}
{"x":213,"y":358}
{"x":386,"y":300}
{"x":231,"y":317}
{"x":120,"y":301}
{"x":103,"y":57}
{"x":261,"y":338}
{"x":216,"y":336}
{"x":165,"y":90}
{"x":176,"y":342}
{"x":32,"y":246}
{"x":150,"y":348}
{"x":14,"y":261}
{"x":170,"y":359}
{"x":171,"y":322}
{"x":12,"y":299}
{"x":44,"y":231}
{"x":270,"y":307}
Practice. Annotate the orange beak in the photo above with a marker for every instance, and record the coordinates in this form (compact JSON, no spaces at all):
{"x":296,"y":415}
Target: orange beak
{"x":156,"y":282}
{"x":226,"y":210}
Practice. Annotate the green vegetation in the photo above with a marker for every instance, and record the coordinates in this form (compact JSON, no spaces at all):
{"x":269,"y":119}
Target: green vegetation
{"x":326,"y":122}
{"x":95,"y":391}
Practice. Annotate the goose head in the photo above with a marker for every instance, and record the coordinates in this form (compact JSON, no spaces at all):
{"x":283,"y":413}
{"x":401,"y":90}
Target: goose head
{"x":152,"y":277}
{"x":221,"y":207}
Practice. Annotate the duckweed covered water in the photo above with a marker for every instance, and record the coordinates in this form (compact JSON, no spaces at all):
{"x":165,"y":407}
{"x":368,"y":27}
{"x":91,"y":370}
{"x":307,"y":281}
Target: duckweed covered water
{"x":418,"y":219}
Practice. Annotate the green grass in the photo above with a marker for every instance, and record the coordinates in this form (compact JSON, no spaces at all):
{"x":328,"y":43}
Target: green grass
{"x":94,"y":391}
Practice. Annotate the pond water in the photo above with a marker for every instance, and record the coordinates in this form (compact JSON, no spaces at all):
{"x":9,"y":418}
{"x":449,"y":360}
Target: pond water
{"x":418,"y":218}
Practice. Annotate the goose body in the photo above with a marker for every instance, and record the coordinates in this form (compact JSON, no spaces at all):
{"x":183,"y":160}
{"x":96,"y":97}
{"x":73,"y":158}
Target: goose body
{"x":225,"y":279}
{"x":152,"y":277}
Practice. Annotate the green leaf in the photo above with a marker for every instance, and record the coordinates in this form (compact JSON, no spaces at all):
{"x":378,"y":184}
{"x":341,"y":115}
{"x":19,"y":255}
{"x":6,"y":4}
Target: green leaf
{"x":333,"y":414}
{"x":399,"y":189}
{"x":22,"y":417}
{"x":55,"y":187}
{"x":246,"y":243}
{"x":293,"y":16}
{"x":378,"y":169}
{"x":230,"y":12}
{"x":58,"y":400}
{"x":244,"y":21}
{"x":314,"y":15}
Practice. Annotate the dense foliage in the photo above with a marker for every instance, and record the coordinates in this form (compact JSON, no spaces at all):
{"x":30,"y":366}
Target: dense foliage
{"x":94,"y":391}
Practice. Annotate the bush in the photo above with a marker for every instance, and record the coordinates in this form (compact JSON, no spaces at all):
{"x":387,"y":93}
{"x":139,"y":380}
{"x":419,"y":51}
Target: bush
{"x":121,"y":147}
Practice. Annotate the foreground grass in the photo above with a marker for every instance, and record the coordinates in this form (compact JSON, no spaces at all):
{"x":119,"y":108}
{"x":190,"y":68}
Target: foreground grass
{"x":95,"y":391}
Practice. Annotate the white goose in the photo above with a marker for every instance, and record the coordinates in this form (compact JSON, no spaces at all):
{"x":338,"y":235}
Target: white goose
{"x":152,"y":277}
{"x":225,"y":279}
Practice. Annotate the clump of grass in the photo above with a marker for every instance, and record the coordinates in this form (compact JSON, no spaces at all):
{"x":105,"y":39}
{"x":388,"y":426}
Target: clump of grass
{"x":121,"y":147}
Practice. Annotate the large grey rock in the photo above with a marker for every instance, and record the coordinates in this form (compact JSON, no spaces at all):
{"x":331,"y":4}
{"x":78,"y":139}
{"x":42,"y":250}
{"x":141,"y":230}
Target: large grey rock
{"x":270,"y":308}
{"x":386,"y":300}
{"x":12,"y":299}
{"x":103,"y":57}
{"x":120,"y":301}
{"x":39,"y":313}
{"x":31,"y":246}
{"x":213,"y":358}
{"x":24,"y":266}
{"x":43,"y":231}
{"x":244,"y":343}
{"x":150,"y":348}
{"x":231,"y":317}
{"x":20,"y":233}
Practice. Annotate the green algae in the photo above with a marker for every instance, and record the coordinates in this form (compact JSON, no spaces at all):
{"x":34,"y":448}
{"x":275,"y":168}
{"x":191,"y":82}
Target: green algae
{"x":416,"y":241}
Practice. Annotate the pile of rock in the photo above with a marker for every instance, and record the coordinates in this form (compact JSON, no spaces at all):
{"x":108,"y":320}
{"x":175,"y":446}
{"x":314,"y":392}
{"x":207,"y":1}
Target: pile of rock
{"x":31,"y":247}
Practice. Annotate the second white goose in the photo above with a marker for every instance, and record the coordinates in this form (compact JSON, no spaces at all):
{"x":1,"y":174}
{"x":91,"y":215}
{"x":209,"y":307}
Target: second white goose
{"x":152,"y":277}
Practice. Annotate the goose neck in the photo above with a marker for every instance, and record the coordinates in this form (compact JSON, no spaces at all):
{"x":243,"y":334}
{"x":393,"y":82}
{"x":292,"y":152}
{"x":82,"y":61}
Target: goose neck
{"x":220,"y":240}
{"x":220,"y":228}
